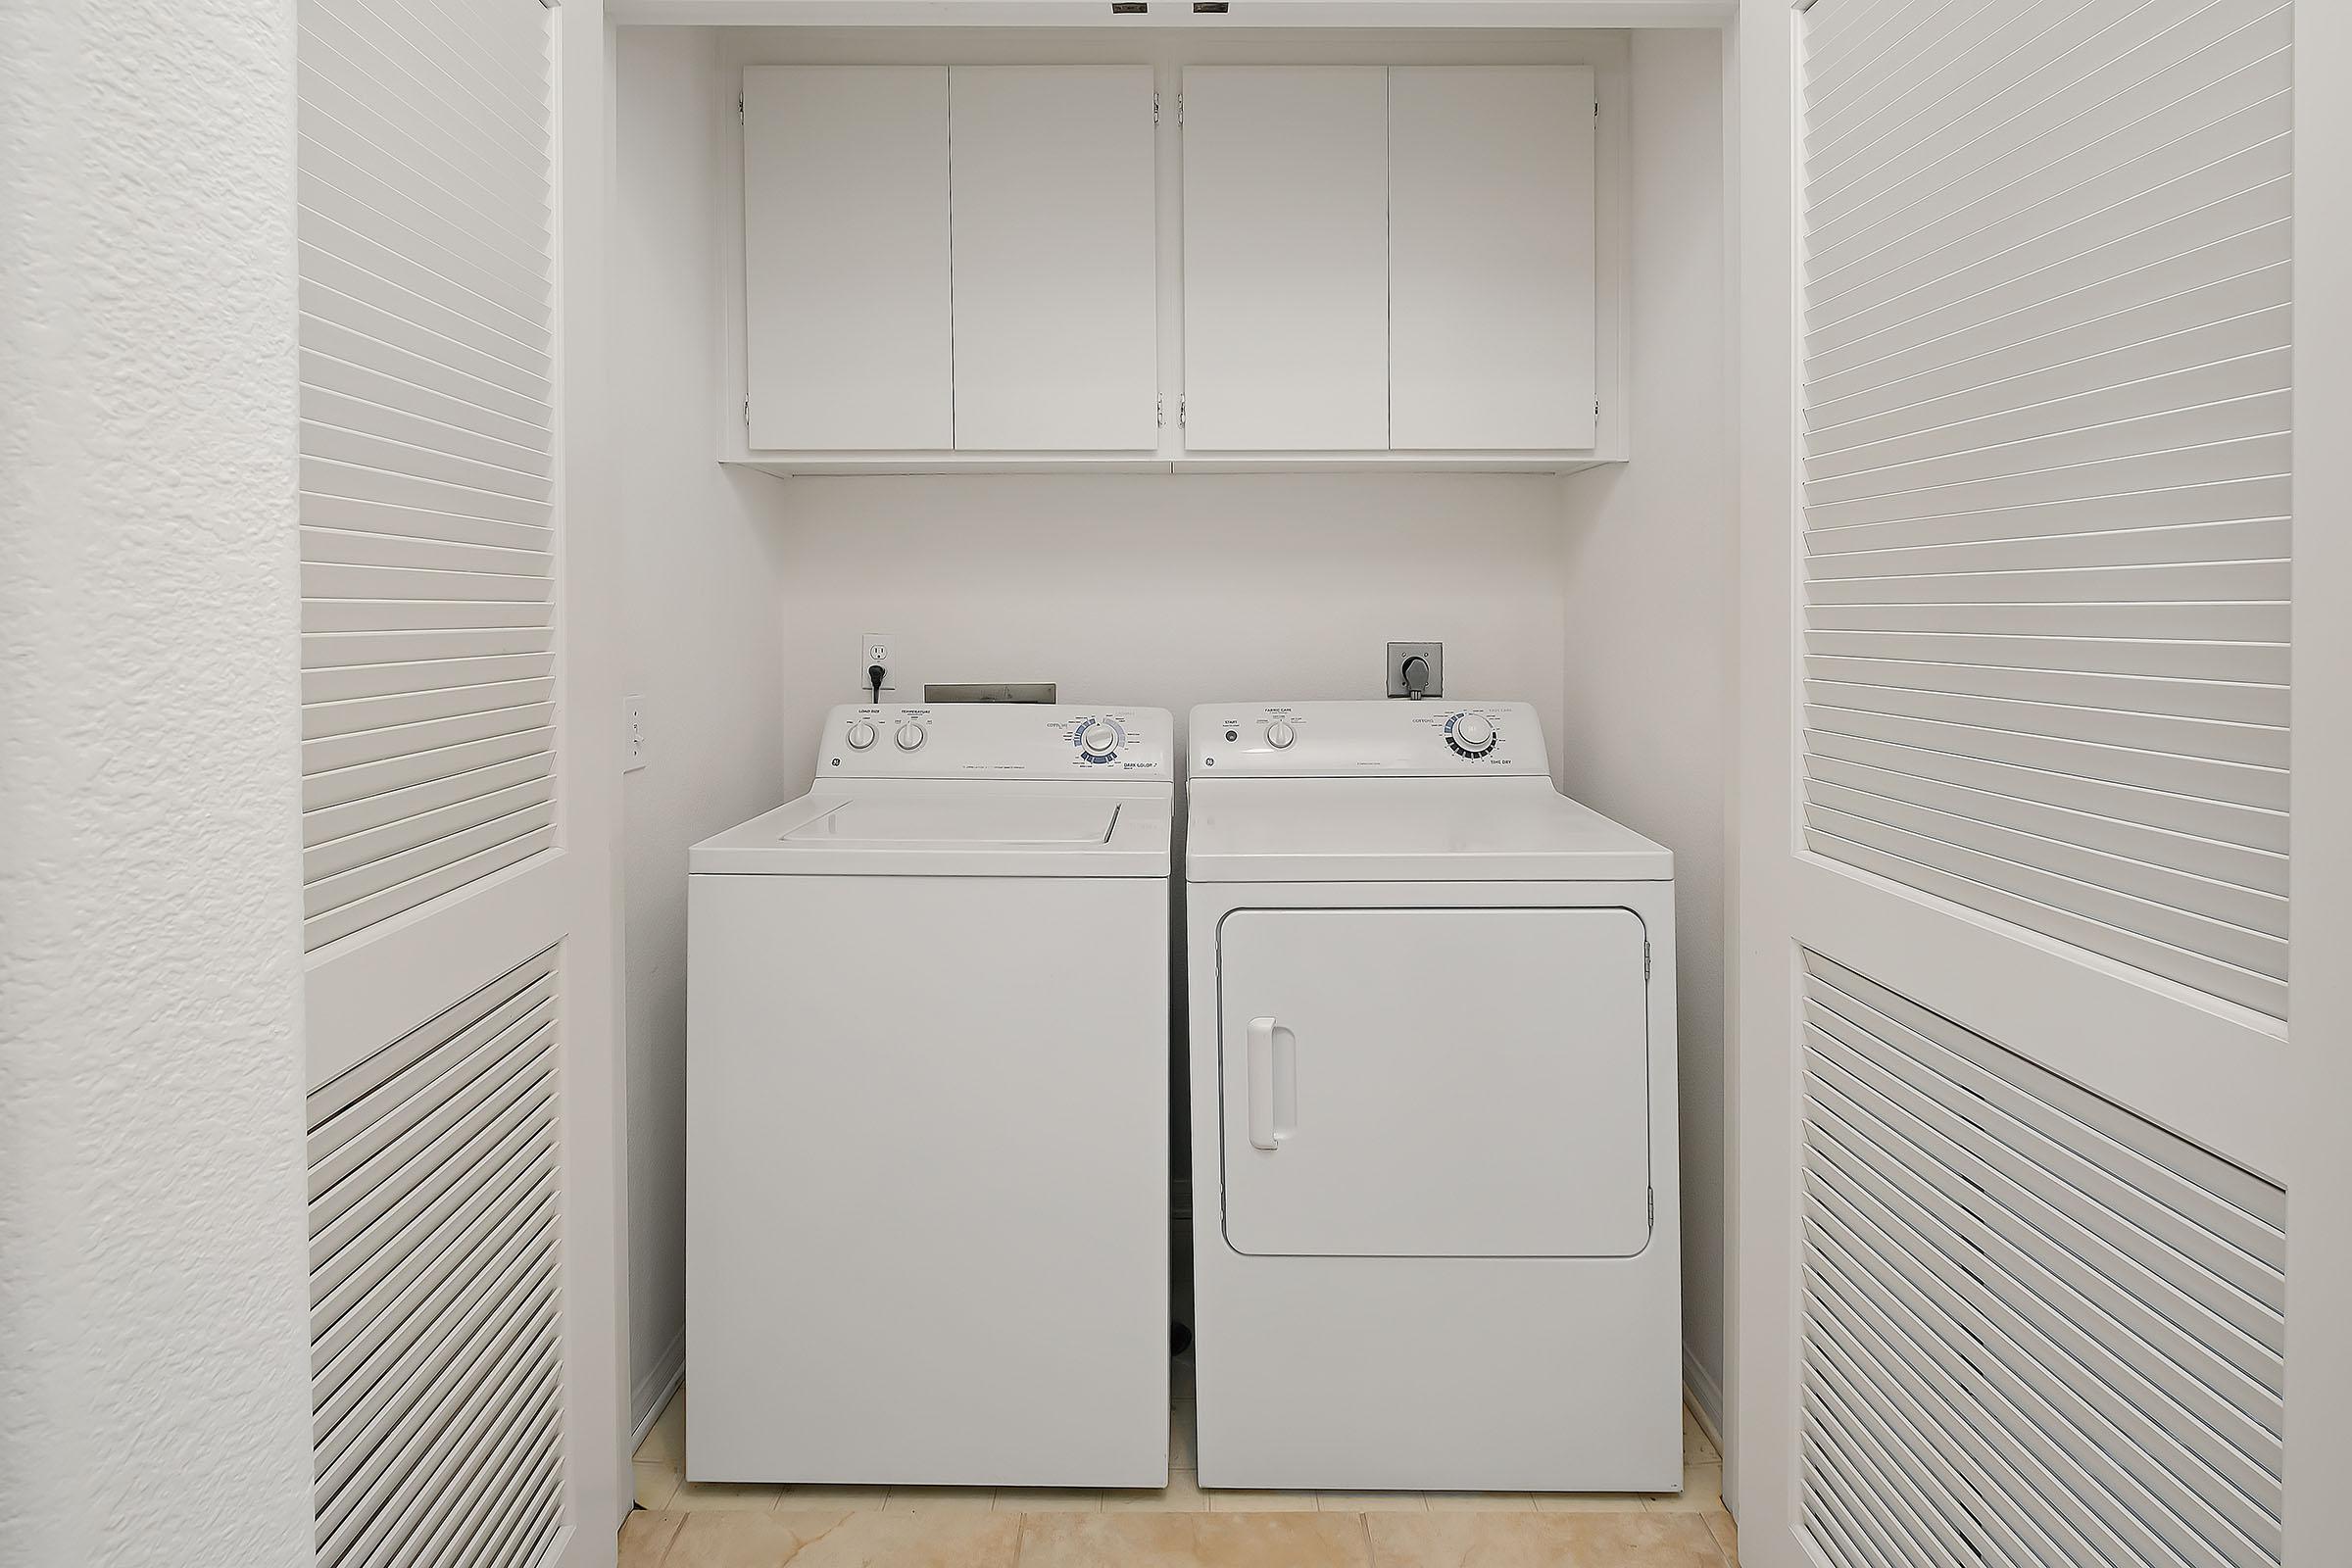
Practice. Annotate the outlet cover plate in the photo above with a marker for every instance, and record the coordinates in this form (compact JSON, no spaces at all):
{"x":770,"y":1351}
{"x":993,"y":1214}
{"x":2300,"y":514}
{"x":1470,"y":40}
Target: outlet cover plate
{"x":1399,"y":653}
{"x":875,"y":647}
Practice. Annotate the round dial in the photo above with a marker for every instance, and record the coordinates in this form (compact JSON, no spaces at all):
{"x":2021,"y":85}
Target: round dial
{"x":861,"y":736}
{"x":1470,"y":735}
{"x":910,"y":736}
{"x":1279,"y":735}
{"x":1099,"y":739}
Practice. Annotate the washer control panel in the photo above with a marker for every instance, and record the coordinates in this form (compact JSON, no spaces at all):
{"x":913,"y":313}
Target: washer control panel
{"x":1000,"y":740}
{"x":1391,"y":738}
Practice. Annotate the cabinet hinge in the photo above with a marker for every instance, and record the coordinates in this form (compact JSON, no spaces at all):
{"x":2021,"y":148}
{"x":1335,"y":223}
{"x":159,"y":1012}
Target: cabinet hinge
{"x":1155,"y":109}
{"x":1180,"y":412}
{"x":747,"y":413}
{"x":1159,"y":411}
{"x":738,"y":105}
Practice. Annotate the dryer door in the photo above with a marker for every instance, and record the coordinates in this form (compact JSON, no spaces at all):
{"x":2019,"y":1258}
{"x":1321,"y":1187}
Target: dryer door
{"x":1435,"y":1083}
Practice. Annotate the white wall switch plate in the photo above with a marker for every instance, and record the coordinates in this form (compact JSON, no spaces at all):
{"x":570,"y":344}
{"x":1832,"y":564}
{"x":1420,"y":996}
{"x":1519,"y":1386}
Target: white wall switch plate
{"x":632,"y":733}
{"x":874,"y":648}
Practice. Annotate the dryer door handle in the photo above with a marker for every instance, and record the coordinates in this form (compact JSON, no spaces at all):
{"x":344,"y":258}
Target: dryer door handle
{"x":1273,"y":1083}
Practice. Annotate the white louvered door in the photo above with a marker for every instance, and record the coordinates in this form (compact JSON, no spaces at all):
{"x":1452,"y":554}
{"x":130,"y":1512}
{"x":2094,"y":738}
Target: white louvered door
{"x":2019,"y":709}
{"x":456,"y":864}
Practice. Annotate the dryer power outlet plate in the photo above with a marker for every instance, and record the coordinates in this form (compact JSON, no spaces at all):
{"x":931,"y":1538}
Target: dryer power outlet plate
{"x":1432,"y":654}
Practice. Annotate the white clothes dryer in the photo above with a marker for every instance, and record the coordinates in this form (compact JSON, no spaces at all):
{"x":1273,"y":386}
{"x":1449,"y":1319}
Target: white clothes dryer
{"x":1433,"y":1109}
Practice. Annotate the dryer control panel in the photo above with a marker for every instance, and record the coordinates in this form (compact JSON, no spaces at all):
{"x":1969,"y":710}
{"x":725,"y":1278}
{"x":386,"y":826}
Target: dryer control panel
{"x":998,"y":740}
{"x":1385,"y":739}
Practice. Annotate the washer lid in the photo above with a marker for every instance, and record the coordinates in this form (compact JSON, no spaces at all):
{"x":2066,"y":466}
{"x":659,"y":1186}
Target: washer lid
{"x":1408,"y":830}
{"x":951,"y":829}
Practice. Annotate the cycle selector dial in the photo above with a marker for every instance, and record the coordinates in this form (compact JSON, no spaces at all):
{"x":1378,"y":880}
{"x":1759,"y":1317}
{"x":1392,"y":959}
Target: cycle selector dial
{"x":1280,"y":735}
{"x":910,"y":736}
{"x":861,"y":735}
{"x":1469,"y":735}
{"x":1099,"y":740}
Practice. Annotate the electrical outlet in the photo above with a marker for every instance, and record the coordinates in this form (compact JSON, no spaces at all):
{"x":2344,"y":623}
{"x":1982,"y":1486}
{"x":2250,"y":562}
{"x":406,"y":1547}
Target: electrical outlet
{"x":1431,"y":673}
{"x":873,"y":647}
{"x":632,"y":732}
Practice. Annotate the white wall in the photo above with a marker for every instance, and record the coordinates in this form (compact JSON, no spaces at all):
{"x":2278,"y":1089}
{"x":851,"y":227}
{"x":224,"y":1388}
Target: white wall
{"x":153,"y":1322}
{"x":703,"y":632}
{"x":1168,"y":590}
{"x":1650,"y":551}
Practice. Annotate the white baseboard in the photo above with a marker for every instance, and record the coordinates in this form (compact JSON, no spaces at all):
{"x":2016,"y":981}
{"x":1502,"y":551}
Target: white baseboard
{"x":1705,"y":1397}
{"x":652,"y":1394}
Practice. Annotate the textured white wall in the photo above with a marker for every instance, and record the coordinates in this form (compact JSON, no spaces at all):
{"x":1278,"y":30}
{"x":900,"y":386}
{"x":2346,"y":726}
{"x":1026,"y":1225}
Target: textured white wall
{"x":704,"y":639}
{"x":154,"y":1392}
{"x":1651,"y":551}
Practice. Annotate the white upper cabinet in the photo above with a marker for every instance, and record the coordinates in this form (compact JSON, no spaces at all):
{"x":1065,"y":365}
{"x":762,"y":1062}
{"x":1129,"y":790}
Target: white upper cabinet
{"x":1286,"y":264}
{"x":1054,"y":258}
{"x":1490,"y":257}
{"x":845,"y":179}
{"x":969,"y":266}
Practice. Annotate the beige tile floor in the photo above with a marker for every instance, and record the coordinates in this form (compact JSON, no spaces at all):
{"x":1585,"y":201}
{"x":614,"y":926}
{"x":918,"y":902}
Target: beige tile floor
{"x":689,"y":1524}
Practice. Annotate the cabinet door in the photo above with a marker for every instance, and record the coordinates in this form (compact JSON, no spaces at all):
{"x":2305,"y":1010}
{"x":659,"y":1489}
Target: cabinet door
{"x":845,"y":196}
{"x":1435,"y":1083}
{"x":1054,"y":258}
{"x":1490,"y":256}
{"x":1286,"y":266}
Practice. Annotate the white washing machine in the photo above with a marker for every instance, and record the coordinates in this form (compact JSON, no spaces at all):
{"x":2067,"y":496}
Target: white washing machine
{"x":1433,"y":1109}
{"x":928,"y":1108}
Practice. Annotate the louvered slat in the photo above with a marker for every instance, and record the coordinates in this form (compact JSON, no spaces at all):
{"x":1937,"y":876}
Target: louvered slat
{"x":421,"y":740}
{"x":2077,"y":83}
{"x":336,"y":800}
{"x":2046,"y":445}
{"x":2038,"y":1328}
{"x":436,"y":1284}
{"x":425,"y":183}
{"x":2045,"y":205}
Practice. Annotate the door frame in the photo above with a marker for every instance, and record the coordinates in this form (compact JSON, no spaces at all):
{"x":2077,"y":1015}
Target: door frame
{"x":2319,"y":1273}
{"x":2273,"y":1105}
{"x":588,"y":643}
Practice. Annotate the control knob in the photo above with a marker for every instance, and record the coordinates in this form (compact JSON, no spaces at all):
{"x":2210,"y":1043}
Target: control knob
{"x":1470,"y":735}
{"x":1279,"y":735}
{"x":1099,"y":739}
{"x":861,"y":736}
{"x":910,"y":736}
